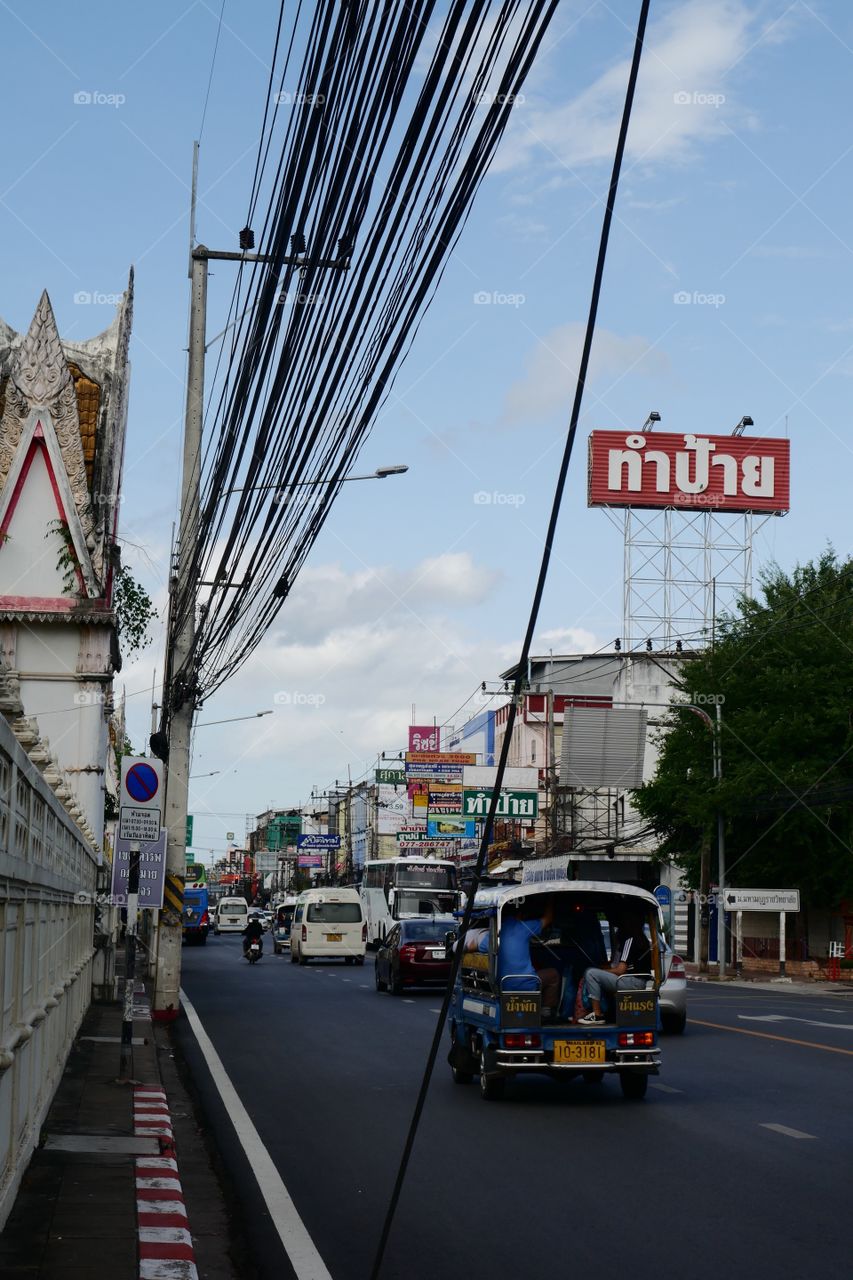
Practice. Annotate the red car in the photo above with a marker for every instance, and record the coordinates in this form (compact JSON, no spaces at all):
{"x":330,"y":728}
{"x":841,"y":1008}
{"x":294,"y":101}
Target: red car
{"x":414,"y":955}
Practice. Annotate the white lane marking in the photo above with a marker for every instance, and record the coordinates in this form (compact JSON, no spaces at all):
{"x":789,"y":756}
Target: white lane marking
{"x":408,"y":1002}
{"x":789,"y":1133}
{"x":365,"y":986}
{"x":347,"y":979}
{"x":298,"y":1245}
{"x":781,"y":1017}
{"x":433,"y":1011}
{"x":664,"y":1088}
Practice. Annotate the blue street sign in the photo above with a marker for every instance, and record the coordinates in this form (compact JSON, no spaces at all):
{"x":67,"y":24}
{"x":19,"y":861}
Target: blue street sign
{"x":663,"y":893}
{"x":142,"y":782}
{"x":318,"y":842}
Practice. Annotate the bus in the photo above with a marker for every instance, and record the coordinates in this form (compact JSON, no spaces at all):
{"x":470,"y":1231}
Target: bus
{"x":196,"y":913}
{"x":403,"y":888}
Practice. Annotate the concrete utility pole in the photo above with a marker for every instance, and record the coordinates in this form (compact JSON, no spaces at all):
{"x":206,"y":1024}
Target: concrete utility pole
{"x":721,"y":844}
{"x":168,"y":972}
{"x":182,"y":693}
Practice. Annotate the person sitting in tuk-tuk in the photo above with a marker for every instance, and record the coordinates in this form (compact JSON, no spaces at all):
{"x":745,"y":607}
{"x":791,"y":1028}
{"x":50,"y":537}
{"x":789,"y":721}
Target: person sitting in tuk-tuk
{"x":518,"y":930}
{"x":635,"y":957}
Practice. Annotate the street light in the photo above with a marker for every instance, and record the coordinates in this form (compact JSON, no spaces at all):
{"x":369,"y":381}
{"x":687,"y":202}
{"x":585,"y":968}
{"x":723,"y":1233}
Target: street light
{"x":398,"y":469}
{"x":232,"y":719}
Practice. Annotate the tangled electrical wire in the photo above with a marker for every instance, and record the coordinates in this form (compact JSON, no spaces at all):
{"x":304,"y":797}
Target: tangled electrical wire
{"x":368,"y":164}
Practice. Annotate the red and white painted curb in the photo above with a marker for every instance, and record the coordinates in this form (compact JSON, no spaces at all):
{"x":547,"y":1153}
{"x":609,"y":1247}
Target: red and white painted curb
{"x":165,"y":1243}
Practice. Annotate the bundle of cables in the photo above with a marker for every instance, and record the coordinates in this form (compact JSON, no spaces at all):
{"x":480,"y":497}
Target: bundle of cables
{"x":380,"y":142}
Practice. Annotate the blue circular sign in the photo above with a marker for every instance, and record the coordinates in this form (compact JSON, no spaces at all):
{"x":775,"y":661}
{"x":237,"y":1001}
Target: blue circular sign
{"x":141,"y":782}
{"x":663,"y":893}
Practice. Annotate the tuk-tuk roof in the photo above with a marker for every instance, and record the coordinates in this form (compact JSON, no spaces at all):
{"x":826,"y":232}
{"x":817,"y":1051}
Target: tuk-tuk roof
{"x":498,"y":898}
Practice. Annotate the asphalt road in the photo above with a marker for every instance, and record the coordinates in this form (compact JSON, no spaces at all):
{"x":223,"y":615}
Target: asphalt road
{"x":735,"y":1165}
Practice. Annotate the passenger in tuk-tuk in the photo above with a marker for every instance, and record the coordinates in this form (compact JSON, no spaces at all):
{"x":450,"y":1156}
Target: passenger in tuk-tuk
{"x":519,"y":927}
{"x":635,"y":957}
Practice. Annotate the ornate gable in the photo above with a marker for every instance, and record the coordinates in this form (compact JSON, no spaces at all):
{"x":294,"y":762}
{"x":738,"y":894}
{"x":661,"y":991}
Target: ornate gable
{"x":39,"y":379}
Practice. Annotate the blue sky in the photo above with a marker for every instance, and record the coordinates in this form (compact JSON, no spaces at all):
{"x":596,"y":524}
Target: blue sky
{"x":737,"y":187}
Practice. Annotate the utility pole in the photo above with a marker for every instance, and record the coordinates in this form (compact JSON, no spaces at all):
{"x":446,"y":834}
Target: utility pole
{"x":551,"y":777}
{"x":721,"y":843}
{"x":182,"y":695}
{"x":179,"y":690}
{"x":704,"y":905}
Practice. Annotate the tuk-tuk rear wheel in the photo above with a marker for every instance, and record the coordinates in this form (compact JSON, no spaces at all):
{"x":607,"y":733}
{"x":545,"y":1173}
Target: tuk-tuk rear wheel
{"x":634,"y":1084}
{"x":491,"y":1086}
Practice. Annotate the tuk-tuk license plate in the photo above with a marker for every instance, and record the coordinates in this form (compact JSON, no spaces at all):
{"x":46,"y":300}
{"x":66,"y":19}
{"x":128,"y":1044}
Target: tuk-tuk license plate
{"x":579,"y":1051}
{"x":334,"y":937}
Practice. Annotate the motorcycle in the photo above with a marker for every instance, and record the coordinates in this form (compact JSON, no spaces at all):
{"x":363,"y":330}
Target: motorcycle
{"x":254,"y":951}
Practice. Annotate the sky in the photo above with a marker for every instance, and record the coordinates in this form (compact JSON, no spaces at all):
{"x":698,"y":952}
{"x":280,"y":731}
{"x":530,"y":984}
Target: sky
{"x":726,"y":293}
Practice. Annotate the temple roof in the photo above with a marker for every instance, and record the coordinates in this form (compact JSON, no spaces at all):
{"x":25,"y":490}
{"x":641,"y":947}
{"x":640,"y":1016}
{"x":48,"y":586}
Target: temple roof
{"x":68,"y":402}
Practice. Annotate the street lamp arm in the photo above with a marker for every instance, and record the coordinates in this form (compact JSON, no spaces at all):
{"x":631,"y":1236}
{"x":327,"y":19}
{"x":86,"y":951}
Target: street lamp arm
{"x":207,"y":723}
{"x":379,"y":474}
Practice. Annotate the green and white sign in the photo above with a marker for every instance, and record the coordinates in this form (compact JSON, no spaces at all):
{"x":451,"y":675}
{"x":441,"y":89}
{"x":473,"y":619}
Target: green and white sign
{"x":393,"y":777}
{"x":519,"y":805}
{"x":189,"y":839}
{"x":190,"y":857}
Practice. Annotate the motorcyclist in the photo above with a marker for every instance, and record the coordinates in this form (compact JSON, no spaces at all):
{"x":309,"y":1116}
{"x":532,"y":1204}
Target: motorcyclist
{"x":254,"y":929}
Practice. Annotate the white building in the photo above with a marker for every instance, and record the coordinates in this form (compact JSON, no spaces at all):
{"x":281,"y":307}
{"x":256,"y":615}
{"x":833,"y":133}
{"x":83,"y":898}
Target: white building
{"x":63,"y":415}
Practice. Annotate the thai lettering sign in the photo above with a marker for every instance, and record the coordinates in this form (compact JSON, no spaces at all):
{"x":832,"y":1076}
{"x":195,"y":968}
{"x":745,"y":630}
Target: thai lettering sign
{"x":424,"y":737}
{"x":152,"y":871}
{"x":516,"y":805}
{"x":437,"y":766}
{"x":445,"y":801}
{"x":718,"y":473}
{"x":392,"y":777}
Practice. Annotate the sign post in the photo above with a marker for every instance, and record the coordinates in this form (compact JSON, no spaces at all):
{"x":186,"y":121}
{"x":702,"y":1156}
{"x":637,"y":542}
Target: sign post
{"x":777,"y":900}
{"x":125,"y":1066}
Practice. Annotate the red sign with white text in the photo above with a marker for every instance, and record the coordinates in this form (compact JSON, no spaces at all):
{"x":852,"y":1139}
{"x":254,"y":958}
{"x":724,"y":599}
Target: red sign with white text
{"x":690,"y":472}
{"x":424,"y":737}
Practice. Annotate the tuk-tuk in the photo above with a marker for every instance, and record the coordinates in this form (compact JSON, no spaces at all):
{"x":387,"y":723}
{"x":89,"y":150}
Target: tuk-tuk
{"x":498,"y":1025}
{"x":281,"y":923}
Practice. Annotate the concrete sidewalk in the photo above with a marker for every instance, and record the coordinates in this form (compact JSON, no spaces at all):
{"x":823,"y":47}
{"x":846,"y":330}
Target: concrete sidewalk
{"x":760,"y":982}
{"x":121,"y":1184}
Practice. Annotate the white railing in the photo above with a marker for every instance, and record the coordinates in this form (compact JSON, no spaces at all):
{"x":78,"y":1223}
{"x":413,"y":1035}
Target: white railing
{"x":47,"y":888}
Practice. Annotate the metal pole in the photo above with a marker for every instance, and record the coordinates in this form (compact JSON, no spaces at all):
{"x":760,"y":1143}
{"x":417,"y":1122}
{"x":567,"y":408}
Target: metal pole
{"x":182,"y":709}
{"x":551,"y":778}
{"x":739,"y":945}
{"x":781,"y":944}
{"x":125,"y":1068}
{"x":721,"y":846}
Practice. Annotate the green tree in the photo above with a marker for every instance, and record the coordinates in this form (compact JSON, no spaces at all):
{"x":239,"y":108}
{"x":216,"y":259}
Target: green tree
{"x":782,"y":670}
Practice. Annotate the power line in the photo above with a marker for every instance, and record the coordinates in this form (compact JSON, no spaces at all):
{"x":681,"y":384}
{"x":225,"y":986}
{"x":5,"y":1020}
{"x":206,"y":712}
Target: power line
{"x":210,"y":77}
{"x":528,"y":638}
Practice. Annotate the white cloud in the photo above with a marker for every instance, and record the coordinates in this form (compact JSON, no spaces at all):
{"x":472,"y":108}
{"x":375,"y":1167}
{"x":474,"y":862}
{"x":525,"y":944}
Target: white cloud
{"x":342,"y":680}
{"x":551,"y":373}
{"x":683,"y":95}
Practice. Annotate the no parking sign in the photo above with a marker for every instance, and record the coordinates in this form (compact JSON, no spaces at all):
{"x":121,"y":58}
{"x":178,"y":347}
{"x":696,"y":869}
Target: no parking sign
{"x":141,"y":799}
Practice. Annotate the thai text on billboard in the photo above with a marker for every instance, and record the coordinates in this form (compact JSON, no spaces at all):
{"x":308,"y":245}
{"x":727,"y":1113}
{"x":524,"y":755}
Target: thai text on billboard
{"x":691,"y":472}
{"x":424,"y":737}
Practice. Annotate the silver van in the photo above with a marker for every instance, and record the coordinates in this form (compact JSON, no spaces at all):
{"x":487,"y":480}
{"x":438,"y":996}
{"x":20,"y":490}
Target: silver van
{"x":328,"y":923}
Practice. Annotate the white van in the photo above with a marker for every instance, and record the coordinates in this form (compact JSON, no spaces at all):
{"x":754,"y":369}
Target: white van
{"x":232,"y":915}
{"x":328,"y":922}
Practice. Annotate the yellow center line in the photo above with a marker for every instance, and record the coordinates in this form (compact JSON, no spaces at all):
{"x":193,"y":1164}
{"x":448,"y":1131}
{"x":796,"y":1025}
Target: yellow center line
{"x":765,"y":1035}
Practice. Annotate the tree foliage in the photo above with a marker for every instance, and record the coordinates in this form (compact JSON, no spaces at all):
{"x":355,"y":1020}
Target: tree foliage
{"x":134,"y":611}
{"x":782,"y":671}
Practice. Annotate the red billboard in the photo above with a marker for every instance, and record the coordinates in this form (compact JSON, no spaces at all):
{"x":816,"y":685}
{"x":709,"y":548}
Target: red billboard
{"x":691,"y":472}
{"x":424,"y":737}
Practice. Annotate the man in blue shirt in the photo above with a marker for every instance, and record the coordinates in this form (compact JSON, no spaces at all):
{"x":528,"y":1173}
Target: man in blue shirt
{"x":518,"y":929}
